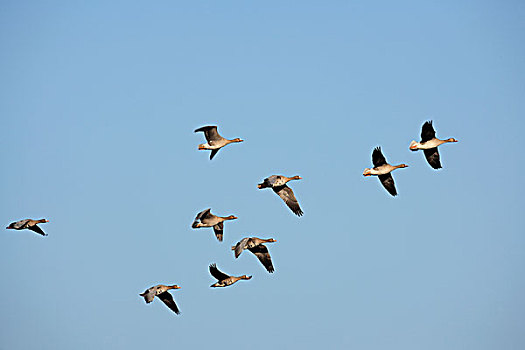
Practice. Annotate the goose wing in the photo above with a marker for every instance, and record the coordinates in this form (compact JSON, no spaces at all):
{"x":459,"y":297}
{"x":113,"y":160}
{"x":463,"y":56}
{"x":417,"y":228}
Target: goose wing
{"x":200,"y":216}
{"x":210,"y":132}
{"x":261,"y":252}
{"x":18,"y":225}
{"x":388,"y":183}
{"x":219,"y":229}
{"x":268,"y":182}
{"x":288,"y":197}
{"x":240,"y":246}
{"x":37,"y":229}
{"x":432,"y":156}
{"x":221,"y":276}
{"x":213,"y":153}
{"x":427,"y":132}
{"x":149,"y":294}
{"x":378,"y":158}
{"x":167,"y":299}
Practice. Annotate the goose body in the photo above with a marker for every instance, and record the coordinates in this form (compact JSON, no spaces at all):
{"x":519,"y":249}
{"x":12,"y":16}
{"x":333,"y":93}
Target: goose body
{"x":215,"y":141}
{"x":278,"y":183}
{"x":429,"y":144}
{"x":162,"y":292}
{"x":206,"y":219}
{"x":224,"y":280}
{"x":256,"y":246}
{"x":28,"y":224}
{"x":382,"y":170}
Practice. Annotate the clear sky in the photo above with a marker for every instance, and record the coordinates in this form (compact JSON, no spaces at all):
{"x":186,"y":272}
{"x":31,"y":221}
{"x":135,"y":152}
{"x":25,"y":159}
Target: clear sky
{"x":98,"y":103}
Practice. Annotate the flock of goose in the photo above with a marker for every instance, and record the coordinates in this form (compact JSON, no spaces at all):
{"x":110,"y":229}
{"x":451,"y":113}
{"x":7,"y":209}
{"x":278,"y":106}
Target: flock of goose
{"x":278,"y":183}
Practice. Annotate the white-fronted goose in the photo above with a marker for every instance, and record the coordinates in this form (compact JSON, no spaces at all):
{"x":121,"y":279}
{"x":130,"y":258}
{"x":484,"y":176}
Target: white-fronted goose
{"x":28,"y":224}
{"x":278,"y":184}
{"x":161,"y":291}
{"x":429,"y":144}
{"x":206,"y":219}
{"x":382,"y":169}
{"x":223,"y":279}
{"x":215,"y":141}
{"x":256,"y":246}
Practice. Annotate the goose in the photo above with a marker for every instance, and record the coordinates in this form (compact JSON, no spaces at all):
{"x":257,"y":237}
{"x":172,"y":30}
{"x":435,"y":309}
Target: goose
{"x":206,"y":219}
{"x":429,"y":144}
{"x":278,"y":184}
{"x":382,"y":169}
{"x":28,"y":224}
{"x":256,"y":246}
{"x":161,"y":291}
{"x":215,"y":141}
{"x":223,"y":279}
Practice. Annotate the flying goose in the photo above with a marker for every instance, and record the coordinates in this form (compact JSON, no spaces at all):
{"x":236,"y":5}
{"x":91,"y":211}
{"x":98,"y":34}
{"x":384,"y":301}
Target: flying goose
{"x":206,"y":219}
{"x":256,"y":246}
{"x":223,"y":279}
{"x":215,"y":141}
{"x":278,"y":185}
{"x":28,"y":224}
{"x":161,"y":291}
{"x":382,"y":169}
{"x":429,"y":144}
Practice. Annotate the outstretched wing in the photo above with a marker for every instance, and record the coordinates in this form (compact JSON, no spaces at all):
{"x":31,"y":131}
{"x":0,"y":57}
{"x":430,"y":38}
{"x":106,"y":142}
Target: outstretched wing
{"x":213,"y":153}
{"x":432,"y":156}
{"x":261,"y":252}
{"x":427,"y":131}
{"x":377,"y":157}
{"x":149,"y":294}
{"x":203,"y":214}
{"x":288,"y":197}
{"x":210,"y":132}
{"x":219,"y":229}
{"x":239,"y":247}
{"x":388,"y":182}
{"x":37,"y":229}
{"x":221,"y":276}
{"x":167,"y":299}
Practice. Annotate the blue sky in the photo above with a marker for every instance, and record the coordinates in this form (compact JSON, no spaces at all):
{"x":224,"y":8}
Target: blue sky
{"x":99,"y":102}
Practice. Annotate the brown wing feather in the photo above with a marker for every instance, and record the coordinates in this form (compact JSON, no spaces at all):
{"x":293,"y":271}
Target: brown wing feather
{"x":167,"y":299}
{"x":288,"y":197}
{"x":239,"y":247}
{"x":213,"y":153}
{"x":210,"y":132}
{"x":427,"y":131}
{"x":261,"y":252}
{"x":432,"y":156}
{"x":219,"y":229}
{"x":388,"y":183}
{"x":217,"y":274}
{"x":37,"y":229}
